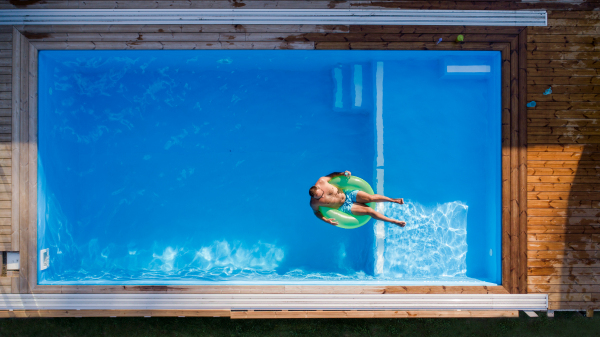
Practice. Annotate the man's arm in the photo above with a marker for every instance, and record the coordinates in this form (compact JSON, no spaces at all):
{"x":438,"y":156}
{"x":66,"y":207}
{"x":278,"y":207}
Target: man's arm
{"x":329,"y":221}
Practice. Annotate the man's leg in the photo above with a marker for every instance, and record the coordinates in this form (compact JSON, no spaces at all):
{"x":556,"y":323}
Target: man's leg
{"x":358,"y":209}
{"x":364,"y":198}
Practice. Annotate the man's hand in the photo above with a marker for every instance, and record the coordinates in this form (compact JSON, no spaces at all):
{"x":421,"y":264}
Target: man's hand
{"x":332,"y":221}
{"x":347,"y":174}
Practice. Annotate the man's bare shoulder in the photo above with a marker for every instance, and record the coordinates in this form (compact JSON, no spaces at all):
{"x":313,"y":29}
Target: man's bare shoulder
{"x":322,"y":181}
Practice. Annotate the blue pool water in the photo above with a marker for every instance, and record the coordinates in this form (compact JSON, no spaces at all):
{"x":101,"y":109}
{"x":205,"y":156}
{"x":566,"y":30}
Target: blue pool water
{"x":193,"y":167}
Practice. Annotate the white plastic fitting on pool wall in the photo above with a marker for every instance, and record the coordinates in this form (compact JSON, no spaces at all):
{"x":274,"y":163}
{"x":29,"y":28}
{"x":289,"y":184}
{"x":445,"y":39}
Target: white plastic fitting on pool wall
{"x":44,"y":259}
{"x":273,"y":16}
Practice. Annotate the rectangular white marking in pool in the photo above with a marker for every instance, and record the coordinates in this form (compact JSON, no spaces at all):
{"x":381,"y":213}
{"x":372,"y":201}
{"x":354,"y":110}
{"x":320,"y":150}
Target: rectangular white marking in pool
{"x":379,"y":182}
{"x":468,"y":69}
{"x":379,"y":112}
{"x":358,"y":85}
{"x":337,"y":75}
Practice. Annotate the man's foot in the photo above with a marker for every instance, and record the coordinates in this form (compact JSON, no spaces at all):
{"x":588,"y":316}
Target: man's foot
{"x":400,"y":223}
{"x":399,"y":201}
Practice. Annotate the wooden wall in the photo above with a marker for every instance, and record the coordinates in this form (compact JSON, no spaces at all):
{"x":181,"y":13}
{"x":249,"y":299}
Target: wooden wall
{"x":563,"y":156}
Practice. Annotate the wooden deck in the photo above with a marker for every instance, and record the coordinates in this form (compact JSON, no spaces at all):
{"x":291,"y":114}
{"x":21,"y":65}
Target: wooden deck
{"x":562,"y":230}
{"x":563,"y":164}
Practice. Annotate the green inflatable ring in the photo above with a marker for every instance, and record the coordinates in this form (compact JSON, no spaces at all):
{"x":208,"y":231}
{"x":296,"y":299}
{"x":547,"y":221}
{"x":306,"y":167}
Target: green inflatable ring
{"x":344,"y":220}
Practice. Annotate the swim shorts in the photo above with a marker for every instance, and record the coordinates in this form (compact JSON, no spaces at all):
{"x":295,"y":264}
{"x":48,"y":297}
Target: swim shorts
{"x":350,"y":200}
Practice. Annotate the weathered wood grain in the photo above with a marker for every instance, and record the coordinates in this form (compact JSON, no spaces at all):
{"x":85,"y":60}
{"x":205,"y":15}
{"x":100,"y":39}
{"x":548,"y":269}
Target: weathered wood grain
{"x":570,"y":66}
{"x":558,"y":196}
{"x":582,"y":164}
{"x":564,"y":262}
{"x":563,"y":139}
{"x":563,"y":220}
{"x":556,"y":255}
{"x":563,"y":229}
{"x":563,"y":172}
{"x":369,"y":314}
{"x":567,"y":179}
{"x":15,"y":139}
{"x":564,"y":212}
{"x":23,"y":197}
{"x":31,"y":222}
{"x":564,"y":203}
{"x":507,"y":208}
{"x":574,"y":306}
{"x":42,"y":30}
{"x":562,"y":237}
{"x":549,"y":271}
{"x":522,"y":151}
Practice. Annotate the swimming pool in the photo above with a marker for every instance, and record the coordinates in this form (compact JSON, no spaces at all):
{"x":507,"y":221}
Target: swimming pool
{"x":193,"y":167}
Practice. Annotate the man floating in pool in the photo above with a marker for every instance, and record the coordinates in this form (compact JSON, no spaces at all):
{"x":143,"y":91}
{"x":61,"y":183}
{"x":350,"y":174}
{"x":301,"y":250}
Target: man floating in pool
{"x":350,"y":202}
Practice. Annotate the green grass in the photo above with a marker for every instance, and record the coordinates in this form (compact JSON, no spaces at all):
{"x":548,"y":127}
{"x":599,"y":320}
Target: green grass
{"x":564,"y":324}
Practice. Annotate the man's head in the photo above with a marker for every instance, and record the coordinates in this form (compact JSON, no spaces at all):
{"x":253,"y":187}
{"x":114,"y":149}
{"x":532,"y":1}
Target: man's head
{"x":316,"y":192}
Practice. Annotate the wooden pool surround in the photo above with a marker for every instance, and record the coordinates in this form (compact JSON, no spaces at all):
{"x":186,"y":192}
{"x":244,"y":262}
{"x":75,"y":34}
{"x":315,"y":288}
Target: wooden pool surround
{"x":509,"y":41}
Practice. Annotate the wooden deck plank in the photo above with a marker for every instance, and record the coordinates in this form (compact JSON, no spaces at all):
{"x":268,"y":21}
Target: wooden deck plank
{"x":16,"y":112}
{"x":575,"y":148}
{"x":573,"y":306}
{"x":570,"y":279}
{"x":565,"y":262}
{"x":563,"y":139}
{"x":255,"y":37}
{"x":564,"y":230}
{"x":567,"y":179}
{"x":506,"y":171}
{"x":564,"y":204}
{"x":572,"y":246}
{"x":566,"y":114}
{"x":564,"y":212}
{"x":563,"y":172}
{"x":369,"y":314}
{"x":568,"y":256}
{"x":31,"y":222}
{"x":549,"y":271}
{"x":571,"y":123}
{"x":514,"y":166}
{"x":49,"y":29}
{"x":522,"y":151}
{"x":23,"y":166}
{"x":567,"y":65}
{"x":563,"y":221}
{"x":562,"y":164}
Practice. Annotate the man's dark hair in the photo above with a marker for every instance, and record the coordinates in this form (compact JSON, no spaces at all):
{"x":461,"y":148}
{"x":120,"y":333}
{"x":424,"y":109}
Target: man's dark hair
{"x":312,"y":191}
